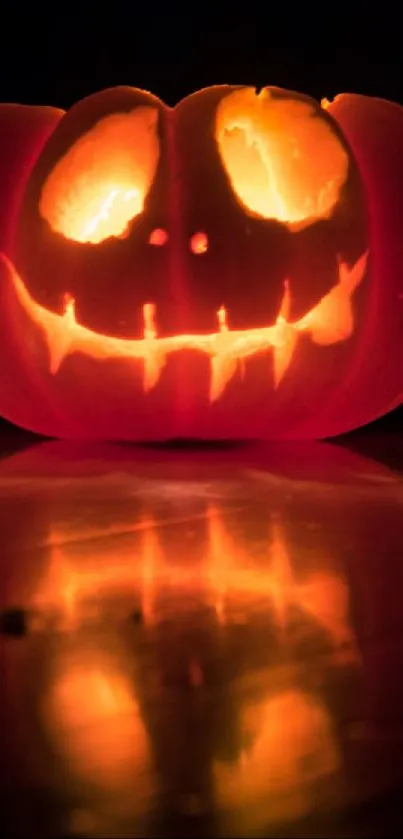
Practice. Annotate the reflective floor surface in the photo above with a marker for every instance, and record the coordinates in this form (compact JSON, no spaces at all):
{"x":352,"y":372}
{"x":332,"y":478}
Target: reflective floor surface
{"x":201,"y":642}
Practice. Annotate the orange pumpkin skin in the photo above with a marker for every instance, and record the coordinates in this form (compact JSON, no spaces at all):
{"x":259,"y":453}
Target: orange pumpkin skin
{"x":159,"y":342}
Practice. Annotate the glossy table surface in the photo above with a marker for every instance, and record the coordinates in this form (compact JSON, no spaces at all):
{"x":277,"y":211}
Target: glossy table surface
{"x":201,"y":641}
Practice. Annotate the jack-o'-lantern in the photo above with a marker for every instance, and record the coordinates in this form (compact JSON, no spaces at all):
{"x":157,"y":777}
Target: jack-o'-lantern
{"x":228,"y":268}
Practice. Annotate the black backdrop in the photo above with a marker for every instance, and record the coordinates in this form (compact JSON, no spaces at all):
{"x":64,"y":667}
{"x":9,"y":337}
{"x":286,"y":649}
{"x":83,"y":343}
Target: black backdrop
{"x":56,"y":54}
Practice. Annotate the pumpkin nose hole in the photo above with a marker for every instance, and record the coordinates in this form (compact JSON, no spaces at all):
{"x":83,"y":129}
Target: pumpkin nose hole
{"x":198,"y":243}
{"x":158,"y":237}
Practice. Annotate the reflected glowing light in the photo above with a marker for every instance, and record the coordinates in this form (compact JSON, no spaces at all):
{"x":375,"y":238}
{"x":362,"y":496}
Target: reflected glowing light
{"x":226,"y":575}
{"x":284,"y":160}
{"x":330,"y":321}
{"x":94,"y":720}
{"x":322,"y":595}
{"x":290,"y":745}
{"x":69,"y":584}
{"x":102,"y":181}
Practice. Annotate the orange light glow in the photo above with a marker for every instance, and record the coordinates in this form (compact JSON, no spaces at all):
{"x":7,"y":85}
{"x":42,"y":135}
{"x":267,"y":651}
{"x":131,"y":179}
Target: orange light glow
{"x":102,"y":181}
{"x":283,"y":158}
{"x":323,"y":596}
{"x":150,"y":329}
{"x":198,"y":243}
{"x":90,"y":711}
{"x":290,"y":745}
{"x":329,"y":322}
{"x":222,"y":319}
{"x":158,"y":237}
{"x":94,"y":721}
{"x":226,"y":574}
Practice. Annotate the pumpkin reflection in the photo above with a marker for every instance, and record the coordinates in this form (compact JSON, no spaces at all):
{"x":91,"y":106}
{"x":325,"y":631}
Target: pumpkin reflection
{"x":228,"y":575}
{"x":219,"y":698}
{"x":94,"y":722}
{"x":290,"y":745}
{"x":282,"y":743}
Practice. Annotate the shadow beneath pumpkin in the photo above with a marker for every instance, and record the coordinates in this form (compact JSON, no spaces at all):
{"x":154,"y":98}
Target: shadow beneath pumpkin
{"x":184,"y":444}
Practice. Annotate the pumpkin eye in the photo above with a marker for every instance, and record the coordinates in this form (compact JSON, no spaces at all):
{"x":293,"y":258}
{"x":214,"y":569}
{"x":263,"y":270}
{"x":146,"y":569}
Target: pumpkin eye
{"x":282,"y":156}
{"x":101,"y":183}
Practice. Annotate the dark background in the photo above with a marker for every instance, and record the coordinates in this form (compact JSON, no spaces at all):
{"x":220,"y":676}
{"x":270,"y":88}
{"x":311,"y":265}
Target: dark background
{"x":57,"y":54}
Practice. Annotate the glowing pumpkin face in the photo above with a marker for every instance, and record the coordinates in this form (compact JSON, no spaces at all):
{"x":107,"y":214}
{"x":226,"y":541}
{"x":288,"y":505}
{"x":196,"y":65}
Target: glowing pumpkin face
{"x":197,"y":272}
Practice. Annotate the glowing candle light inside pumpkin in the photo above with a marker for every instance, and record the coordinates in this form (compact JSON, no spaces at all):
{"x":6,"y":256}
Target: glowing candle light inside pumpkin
{"x":332,"y":320}
{"x":199,"y":243}
{"x":158,"y":237}
{"x":150,"y":330}
{"x":222,"y":319}
{"x":233,"y":163}
{"x":69,"y":308}
{"x":267,"y":146}
{"x":114,"y":213}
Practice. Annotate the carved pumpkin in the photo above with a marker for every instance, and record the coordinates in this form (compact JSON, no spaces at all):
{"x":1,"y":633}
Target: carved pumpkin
{"x":227,"y":268}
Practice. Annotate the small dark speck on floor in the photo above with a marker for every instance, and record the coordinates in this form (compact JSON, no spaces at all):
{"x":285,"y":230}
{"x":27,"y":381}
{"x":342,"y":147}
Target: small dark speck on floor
{"x":14,"y":622}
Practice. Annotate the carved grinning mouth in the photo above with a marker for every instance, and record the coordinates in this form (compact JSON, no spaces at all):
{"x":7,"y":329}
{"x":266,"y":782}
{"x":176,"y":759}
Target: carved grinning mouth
{"x":329,"y":322}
